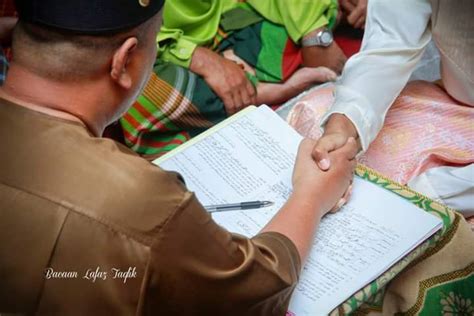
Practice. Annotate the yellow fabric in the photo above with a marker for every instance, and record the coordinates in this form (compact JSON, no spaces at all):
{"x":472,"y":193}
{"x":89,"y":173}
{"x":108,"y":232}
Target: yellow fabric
{"x":299,"y":17}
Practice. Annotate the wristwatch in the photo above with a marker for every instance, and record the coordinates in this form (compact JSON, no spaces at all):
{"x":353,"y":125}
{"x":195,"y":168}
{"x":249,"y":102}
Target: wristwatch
{"x":322,"y":38}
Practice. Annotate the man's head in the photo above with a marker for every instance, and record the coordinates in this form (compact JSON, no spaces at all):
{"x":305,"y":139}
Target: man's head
{"x":106,"y":44}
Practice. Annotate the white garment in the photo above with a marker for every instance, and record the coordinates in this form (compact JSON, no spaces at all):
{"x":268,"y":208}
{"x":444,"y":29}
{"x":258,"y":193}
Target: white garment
{"x":449,"y":185}
{"x":396,"y":34}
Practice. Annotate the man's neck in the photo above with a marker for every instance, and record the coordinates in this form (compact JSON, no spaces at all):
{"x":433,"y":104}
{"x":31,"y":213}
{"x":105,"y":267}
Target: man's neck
{"x":66,"y":101}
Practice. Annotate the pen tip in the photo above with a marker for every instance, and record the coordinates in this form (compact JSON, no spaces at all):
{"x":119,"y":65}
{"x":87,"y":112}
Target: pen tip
{"x":268,"y":203}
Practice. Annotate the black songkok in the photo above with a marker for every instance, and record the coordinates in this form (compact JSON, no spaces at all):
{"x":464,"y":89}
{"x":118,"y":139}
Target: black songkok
{"x":88,"y":17}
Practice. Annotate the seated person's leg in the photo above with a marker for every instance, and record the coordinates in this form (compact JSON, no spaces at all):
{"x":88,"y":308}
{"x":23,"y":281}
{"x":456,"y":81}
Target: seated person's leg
{"x":179,"y":103}
{"x":175,"y":106}
{"x":278,"y":93}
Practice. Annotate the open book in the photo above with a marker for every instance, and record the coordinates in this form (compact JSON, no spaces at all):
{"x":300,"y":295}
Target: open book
{"x":250,"y":157}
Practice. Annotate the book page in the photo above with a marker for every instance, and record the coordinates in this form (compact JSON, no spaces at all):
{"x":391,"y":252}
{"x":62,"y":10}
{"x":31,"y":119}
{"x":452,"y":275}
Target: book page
{"x":241,"y":160}
{"x":252,"y":159}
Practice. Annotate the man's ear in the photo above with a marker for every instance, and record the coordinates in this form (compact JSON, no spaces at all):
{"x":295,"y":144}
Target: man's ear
{"x":119,"y":72}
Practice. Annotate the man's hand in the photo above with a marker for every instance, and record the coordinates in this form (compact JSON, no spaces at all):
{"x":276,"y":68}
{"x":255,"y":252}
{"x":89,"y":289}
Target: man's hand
{"x":329,"y":186}
{"x":225,"y":78}
{"x":356,"y":11}
{"x":337,"y":132}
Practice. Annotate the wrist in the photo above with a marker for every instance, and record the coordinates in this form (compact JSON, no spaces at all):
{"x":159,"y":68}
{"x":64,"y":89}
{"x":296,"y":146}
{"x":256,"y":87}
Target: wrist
{"x":200,"y":61}
{"x":307,"y":199}
{"x":320,"y":37}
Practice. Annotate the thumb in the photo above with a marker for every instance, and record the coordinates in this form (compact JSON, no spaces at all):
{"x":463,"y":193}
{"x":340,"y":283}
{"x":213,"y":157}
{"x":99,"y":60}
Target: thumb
{"x":322,"y":159}
{"x":324,"y":146}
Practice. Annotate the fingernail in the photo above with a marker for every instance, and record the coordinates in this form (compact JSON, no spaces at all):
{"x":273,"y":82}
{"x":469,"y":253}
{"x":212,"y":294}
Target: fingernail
{"x":338,"y":206}
{"x":341,"y":203}
{"x":324,"y":164}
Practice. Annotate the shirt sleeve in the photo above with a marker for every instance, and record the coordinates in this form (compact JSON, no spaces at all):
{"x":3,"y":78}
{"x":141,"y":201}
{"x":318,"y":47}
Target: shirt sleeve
{"x":396,"y":35}
{"x":299,"y":17}
{"x":199,"y":268}
{"x":186,"y":26}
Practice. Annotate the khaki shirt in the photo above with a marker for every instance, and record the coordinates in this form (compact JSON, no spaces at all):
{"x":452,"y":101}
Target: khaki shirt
{"x":89,"y":228}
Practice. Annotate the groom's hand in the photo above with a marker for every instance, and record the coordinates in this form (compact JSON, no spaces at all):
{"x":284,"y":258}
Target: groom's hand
{"x":337,"y":132}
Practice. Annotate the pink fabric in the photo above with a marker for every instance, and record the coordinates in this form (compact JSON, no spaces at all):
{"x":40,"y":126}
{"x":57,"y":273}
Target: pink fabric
{"x":425,"y":128}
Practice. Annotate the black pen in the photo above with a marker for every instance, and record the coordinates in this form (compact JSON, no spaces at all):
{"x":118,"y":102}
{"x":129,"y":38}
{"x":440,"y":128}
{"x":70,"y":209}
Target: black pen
{"x":237,"y":206}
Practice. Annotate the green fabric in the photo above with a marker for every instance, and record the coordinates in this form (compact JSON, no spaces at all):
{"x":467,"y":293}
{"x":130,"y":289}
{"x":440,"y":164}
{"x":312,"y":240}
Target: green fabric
{"x":268,"y":68}
{"x":190,"y":23}
{"x":455,"y":297}
{"x":239,"y":18}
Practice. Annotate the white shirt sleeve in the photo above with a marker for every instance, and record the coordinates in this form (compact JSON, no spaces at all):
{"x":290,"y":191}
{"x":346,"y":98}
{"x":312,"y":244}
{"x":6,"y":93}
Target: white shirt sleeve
{"x":396,"y":34}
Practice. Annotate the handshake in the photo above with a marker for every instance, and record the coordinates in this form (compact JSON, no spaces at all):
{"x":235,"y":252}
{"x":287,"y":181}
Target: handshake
{"x":325,"y":167}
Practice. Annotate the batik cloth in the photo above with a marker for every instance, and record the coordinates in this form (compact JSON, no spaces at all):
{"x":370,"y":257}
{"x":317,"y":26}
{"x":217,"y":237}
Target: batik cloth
{"x":178,"y":105}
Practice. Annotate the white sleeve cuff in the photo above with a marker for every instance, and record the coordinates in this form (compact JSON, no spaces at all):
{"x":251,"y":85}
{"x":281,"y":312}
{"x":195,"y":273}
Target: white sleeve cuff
{"x":357,"y":109}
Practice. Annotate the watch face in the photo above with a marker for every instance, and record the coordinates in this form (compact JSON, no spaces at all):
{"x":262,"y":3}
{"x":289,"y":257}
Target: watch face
{"x":326,"y":38}
{"x":323,"y":38}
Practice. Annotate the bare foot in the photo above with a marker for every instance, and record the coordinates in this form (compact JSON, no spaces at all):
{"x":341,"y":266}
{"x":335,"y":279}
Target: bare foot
{"x":307,"y":77}
{"x":300,"y":81}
